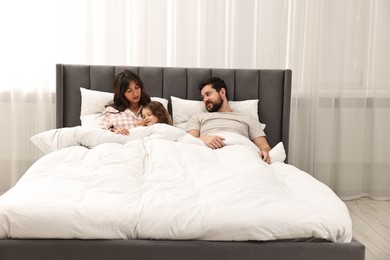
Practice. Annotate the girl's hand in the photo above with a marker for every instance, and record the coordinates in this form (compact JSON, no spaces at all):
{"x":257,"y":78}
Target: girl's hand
{"x":139,"y":123}
{"x":119,"y":130}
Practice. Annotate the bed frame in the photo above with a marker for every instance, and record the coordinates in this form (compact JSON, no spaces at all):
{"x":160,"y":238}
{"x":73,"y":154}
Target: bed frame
{"x":271,"y":87}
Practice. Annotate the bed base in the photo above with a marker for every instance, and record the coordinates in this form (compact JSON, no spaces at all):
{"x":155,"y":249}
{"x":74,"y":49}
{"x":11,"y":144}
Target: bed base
{"x":169,"y":250}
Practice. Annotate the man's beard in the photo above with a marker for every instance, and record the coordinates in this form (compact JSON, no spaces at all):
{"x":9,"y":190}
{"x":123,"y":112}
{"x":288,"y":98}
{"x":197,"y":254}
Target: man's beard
{"x":215,"y":105}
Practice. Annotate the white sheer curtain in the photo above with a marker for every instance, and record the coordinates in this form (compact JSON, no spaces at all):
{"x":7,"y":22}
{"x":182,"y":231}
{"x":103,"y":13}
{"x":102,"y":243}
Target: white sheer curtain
{"x":341,"y":111}
{"x":26,"y":84}
{"x":338,"y":51}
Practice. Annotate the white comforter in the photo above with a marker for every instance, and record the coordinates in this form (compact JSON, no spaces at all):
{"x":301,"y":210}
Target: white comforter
{"x":164,"y":184}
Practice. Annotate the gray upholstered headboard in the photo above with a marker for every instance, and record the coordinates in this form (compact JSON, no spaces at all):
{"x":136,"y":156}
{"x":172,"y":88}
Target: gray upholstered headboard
{"x":271,"y":87}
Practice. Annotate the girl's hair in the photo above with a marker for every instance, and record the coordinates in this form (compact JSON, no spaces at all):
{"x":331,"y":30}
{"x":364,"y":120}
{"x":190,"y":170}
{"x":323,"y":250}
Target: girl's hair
{"x":159,"y":111}
{"x":121,"y":83}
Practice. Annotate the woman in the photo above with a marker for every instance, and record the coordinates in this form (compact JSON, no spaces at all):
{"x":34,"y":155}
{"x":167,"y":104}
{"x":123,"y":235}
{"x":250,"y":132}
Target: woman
{"x":125,"y":110}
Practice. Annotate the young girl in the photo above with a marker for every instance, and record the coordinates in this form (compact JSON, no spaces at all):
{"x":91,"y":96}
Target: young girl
{"x":125,"y":110}
{"x":155,"y":112}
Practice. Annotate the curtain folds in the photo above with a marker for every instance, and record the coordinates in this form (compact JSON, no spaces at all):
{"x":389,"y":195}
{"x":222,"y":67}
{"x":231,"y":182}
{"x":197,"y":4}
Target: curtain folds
{"x":338,"y":52}
{"x":341,"y":95}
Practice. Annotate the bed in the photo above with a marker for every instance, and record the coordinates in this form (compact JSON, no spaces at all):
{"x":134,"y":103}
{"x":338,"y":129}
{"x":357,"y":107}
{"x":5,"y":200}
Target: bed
{"x":38,"y":224}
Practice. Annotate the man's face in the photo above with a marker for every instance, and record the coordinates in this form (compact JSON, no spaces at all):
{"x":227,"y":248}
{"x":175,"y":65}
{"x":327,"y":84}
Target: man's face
{"x":211,"y":98}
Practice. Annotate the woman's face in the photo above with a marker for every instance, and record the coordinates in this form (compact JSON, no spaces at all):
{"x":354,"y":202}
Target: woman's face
{"x":133,"y":93}
{"x":148,"y":117}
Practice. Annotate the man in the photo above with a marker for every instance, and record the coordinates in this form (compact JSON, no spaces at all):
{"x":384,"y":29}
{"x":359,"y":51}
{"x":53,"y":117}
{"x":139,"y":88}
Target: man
{"x":222,"y":118}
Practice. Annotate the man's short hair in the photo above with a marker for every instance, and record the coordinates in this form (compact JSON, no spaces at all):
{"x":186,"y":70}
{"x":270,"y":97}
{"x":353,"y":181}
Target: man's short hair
{"x":216,"y":83}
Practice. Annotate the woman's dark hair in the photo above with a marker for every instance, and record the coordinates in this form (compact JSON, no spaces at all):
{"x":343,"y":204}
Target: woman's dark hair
{"x":159,"y":111}
{"x":216,"y":83}
{"x":121,"y":83}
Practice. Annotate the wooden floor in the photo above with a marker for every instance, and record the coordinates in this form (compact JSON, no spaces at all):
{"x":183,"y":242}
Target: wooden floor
{"x":371,"y":226}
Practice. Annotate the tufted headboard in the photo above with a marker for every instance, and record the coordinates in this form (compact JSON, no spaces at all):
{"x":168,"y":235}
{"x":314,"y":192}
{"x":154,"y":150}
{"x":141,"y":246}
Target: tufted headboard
{"x":271,"y":87}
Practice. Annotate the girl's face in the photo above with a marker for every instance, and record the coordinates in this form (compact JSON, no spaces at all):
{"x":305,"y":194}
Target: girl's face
{"x":133,"y":93}
{"x":148,"y":117}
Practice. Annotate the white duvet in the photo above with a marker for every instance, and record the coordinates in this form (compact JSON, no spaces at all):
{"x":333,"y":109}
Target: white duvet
{"x":161,"y":183}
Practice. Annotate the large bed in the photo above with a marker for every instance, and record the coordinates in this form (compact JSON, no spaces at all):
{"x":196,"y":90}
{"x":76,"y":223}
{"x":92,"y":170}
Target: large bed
{"x":159,"y":196}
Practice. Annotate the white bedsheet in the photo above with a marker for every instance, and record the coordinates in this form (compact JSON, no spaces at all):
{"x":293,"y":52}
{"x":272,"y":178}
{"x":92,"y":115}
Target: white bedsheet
{"x":167,"y":185}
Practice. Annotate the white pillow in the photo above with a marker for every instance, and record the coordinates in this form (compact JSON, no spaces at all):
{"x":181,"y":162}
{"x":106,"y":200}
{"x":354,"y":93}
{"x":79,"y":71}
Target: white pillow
{"x":183,"y":109}
{"x":91,"y":120}
{"x":93,"y":103}
{"x":161,"y":100}
{"x":246,"y":106}
{"x":277,"y":153}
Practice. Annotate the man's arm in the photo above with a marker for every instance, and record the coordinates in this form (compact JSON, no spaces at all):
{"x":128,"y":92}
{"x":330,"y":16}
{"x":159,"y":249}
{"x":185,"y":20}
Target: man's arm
{"x":212,"y":141}
{"x":264,"y":147}
{"x":194,"y":132}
